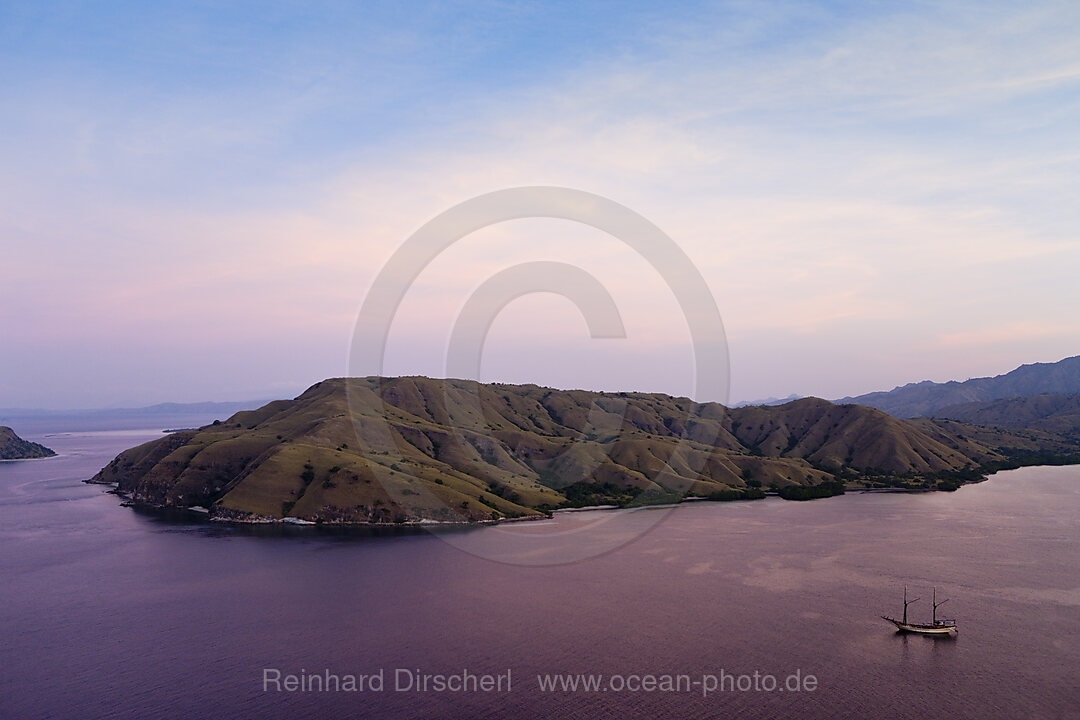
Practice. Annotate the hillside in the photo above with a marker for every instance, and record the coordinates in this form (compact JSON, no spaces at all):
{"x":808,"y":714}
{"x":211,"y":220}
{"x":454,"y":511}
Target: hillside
{"x":1055,"y":414}
{"x":411,"y":449}
{"x":13,"y":447}
{"x":926,"y":399}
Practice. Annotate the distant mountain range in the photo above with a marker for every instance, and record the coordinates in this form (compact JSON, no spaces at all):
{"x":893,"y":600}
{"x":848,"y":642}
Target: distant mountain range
{"x":168,"y":408}
{"x":930,"y":399}
{"x":163,"y":415}
{"x":1057,"y":414}
{"x":415,"y":449}
{"x":769,"y":401}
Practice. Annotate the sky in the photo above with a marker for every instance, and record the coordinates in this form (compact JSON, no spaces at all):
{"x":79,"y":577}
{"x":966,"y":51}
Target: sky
{"x":196,"y":197}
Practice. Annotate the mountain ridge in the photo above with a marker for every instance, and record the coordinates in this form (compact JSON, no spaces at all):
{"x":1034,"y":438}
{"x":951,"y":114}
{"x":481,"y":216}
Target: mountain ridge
{"x":1058,"y":414}
{"x":926,"y":398}
{"x":414,"y":449}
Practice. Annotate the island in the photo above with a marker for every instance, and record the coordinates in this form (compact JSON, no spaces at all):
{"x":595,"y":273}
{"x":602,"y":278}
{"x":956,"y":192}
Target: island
{"x":421,"y":450}
{"x":13,"y":447}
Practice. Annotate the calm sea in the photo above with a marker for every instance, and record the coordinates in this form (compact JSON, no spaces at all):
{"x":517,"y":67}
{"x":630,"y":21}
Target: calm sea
{"x":110,"y":613}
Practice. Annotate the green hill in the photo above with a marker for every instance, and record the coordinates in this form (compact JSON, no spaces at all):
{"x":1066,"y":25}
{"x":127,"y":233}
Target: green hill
{"x":415,"y":449}
{"x":13,"y":447}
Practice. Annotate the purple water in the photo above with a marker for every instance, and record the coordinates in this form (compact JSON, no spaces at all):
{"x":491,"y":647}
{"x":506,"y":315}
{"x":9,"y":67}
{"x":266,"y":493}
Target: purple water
{"x":109,"y":613}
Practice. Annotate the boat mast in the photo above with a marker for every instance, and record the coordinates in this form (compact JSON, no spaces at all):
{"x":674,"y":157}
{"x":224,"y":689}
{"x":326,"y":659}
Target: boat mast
{"x":936,"y":603}
{"x":906,"y":603}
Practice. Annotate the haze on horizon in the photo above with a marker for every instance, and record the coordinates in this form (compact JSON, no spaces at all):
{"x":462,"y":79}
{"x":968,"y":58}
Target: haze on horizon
{"x":195,"y":199}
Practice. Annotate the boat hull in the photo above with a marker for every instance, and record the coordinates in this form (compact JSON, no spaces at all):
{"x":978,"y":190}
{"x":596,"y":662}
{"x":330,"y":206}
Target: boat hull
{"x":901,"y":626}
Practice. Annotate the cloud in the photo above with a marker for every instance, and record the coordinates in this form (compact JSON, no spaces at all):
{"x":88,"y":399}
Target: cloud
{"x":852,"y":178}
{"x":1008,"y":333}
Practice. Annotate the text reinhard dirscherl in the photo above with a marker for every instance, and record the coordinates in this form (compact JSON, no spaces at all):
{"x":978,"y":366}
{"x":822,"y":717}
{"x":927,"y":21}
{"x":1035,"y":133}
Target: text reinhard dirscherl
{"x":409,"y":680}
{"x":402,"y":680}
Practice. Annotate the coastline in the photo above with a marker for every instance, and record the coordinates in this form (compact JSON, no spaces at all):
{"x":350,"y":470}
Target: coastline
{"x":204,"y":514}
{"x":40,"y":457}
{"x":231,"y":517}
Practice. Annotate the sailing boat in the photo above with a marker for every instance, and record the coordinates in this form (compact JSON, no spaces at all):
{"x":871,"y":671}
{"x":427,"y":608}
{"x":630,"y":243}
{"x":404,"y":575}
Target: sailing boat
{"x":937,"y":627}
